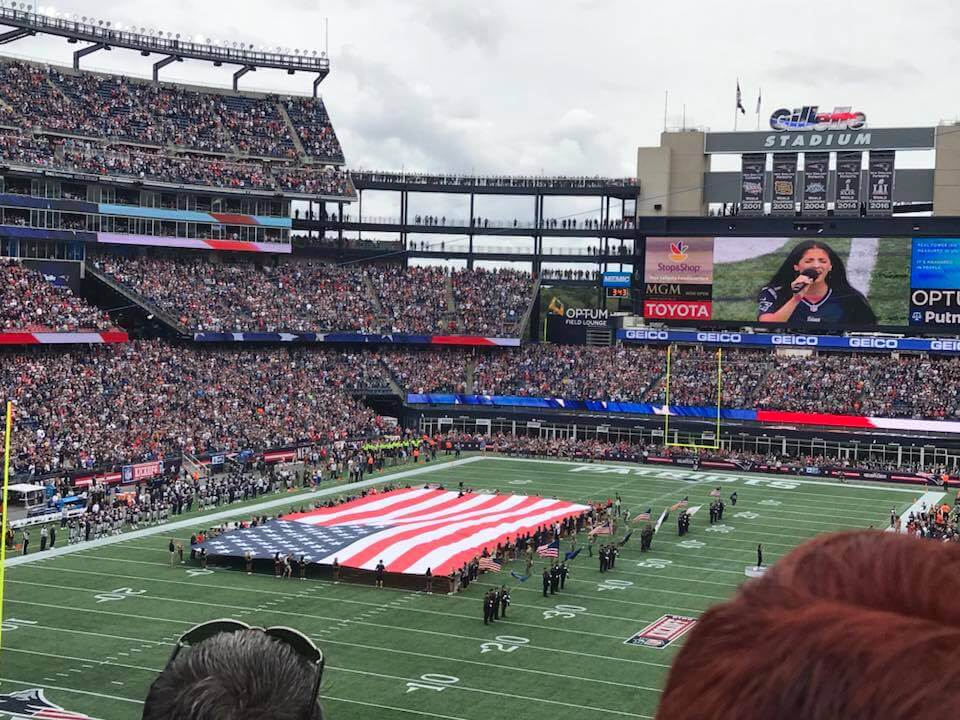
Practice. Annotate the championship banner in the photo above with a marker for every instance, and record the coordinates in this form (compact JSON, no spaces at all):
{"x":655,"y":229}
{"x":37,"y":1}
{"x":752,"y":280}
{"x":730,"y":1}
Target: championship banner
{"x":753,"y":174}
{"x":784,"y":184}
{"x":847,"y":189}
{"x":880,"y":183}
{"x":816,"y":169}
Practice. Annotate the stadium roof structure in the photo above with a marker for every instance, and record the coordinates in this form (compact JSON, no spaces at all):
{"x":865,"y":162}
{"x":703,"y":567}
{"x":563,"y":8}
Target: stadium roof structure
{"x":105,"y":35}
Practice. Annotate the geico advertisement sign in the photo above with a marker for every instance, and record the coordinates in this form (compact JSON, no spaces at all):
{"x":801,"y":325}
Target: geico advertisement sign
{"x":935,"y":307}
{"x":676,"y":310}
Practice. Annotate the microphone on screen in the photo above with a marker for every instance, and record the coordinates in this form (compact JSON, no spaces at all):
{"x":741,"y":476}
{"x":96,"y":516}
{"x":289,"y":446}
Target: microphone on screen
{"x":811,"y":273}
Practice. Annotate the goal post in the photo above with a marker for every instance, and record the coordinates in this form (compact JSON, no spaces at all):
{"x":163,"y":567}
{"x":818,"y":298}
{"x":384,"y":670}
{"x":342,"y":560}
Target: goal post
{"x":666,"y":408}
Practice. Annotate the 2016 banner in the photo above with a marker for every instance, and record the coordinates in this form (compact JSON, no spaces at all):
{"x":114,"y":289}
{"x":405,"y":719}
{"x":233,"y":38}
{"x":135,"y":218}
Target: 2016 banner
{"x":784,"y":184}
{"x":849,"y":166}
{"x":816,"y":169}
{"x":880,"y":183}
{"x":752,"y":178}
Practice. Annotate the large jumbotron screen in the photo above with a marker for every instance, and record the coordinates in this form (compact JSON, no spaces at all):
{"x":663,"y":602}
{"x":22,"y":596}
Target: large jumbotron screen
{"x":826,"y":283}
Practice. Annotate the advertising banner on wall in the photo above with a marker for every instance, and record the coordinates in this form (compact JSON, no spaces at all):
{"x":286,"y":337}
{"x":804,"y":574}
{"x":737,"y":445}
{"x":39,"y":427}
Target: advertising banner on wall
{"x":784,"y":184}
{"x":816,"y":168}
{"x":678,"y":278}
{"x":935,"y":282}
{"x":847,"y":191}
{"x":880,"y":183}
{"x":753,"y":174}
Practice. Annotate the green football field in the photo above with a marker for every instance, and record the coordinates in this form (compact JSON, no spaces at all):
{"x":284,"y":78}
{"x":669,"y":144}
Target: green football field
{"x":92,"y":628}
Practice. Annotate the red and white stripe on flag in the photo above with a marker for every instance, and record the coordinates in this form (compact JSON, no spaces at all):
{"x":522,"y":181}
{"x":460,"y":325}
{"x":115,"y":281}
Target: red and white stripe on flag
{"x":715,"y":492}
{"x":437,"y":529}
{"x":604,"y":529}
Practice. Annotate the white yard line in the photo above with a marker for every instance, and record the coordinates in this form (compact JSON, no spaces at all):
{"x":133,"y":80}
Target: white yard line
{"x":33,"y":684}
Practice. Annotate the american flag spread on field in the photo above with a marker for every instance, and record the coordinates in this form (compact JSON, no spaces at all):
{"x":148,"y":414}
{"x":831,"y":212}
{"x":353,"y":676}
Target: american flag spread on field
{"x":410,"y":530}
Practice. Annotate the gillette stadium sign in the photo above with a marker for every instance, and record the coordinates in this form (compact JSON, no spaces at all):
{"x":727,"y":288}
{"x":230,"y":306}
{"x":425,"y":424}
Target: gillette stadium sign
{"x":807,"y":128}
{"x":807,"y":119}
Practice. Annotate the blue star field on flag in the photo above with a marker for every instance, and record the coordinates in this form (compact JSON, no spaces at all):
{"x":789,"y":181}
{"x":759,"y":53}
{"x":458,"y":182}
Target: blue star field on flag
{"x":287,"y":537}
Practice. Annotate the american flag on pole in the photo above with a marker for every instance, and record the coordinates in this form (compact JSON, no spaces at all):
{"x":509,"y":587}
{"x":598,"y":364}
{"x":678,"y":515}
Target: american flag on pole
{"x":604,"y":529}
{"x":715,"y":492}
{"x":550,"y":549}
{"x":488,"y":563}
{"x":682,"y":504}
{"x":645,"y":515}
{"x":410,"y":530}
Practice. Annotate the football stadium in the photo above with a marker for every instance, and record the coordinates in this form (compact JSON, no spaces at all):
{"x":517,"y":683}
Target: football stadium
{"x":287,"y":437}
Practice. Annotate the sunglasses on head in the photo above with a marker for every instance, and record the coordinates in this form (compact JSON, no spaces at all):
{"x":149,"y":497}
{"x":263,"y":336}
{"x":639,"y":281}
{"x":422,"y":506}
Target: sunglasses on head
{"x":301,"y":644}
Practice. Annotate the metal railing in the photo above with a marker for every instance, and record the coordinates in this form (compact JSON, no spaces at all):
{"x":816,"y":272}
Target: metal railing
{"x":100,"y":31}
{"x":506,"y":181}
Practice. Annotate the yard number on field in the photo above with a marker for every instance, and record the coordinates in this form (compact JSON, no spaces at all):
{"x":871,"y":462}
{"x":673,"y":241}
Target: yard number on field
{"x":614,"y":585}
{"x":505,"y":643}
{"x":563,"y":611}
{"x":778,"y":484}
{"x":656,"y":563}
{"x":432,"y":681}
{"x":16,"y":624}
{"x":118,"y":594}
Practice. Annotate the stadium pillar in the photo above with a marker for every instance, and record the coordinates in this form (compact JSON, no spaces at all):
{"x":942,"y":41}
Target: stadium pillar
{"x":316,"y":84}
{"x":340,"y":229}
{"x":157,"y":66}
{"x":360,"y":214}
{"x":403,"y":221}
{"x":472,"y":222}
{"x":86,"y":51}
{"x":240,"y":73}
{"x":639,"y":258}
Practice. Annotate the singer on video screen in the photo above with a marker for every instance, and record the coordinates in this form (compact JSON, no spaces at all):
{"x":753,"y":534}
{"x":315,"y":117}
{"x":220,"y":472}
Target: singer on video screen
{"x":811,"y":286}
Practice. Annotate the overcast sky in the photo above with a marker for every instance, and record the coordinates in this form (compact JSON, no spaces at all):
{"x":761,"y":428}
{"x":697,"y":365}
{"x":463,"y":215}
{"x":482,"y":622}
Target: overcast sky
{"x":560,"y":86}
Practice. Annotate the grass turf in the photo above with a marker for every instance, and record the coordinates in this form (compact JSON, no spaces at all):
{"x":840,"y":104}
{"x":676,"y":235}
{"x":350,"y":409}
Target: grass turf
{"x":98,"y":655}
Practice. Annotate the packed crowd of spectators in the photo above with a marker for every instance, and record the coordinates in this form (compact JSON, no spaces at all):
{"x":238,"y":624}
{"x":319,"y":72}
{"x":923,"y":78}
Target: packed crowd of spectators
{"x":313,"y":296}
{"x":569,"y":371}
{"x":873,"y":385}
{"x":491,"y":302}
{"x":113,"y":113}
{"x":246,"y":296}
{"x":83,"y":156}
{"x":312,"y":125}
{"x":143,"y":400}
{"x":116,"y":108}
{"x":428,"y":370}
{"x":29,"y":302}
{"x":413,"y":299}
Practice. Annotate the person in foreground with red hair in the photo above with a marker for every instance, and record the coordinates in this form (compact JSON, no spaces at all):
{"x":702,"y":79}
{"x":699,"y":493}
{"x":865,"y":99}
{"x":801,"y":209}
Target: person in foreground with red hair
{"x":853,"y":626}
